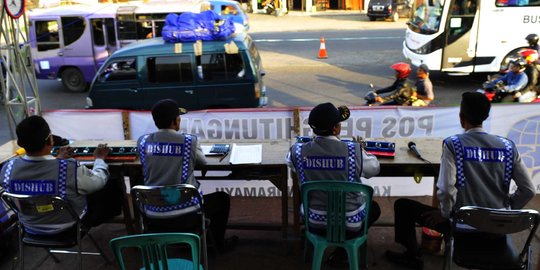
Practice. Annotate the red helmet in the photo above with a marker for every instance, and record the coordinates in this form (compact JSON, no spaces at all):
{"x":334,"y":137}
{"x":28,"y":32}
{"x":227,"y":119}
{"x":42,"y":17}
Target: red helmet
{"x":403,"y":69}
{"x":529,"y":55}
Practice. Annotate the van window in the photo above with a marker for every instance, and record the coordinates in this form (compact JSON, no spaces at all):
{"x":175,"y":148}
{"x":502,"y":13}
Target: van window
{"x":222,"y":67}
{"x":72,"y":29}
{"x":120,"y":70}
{"x":47,"y":35}
{"x":169,"y":69}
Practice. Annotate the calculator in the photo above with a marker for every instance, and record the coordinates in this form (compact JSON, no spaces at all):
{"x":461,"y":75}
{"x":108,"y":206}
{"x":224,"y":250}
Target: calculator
{"x":220,"y":148}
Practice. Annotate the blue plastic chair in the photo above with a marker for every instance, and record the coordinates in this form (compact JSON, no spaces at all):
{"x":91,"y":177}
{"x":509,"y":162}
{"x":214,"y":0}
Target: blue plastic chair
{"x":153,"y":250}
{"x":336,"y":221}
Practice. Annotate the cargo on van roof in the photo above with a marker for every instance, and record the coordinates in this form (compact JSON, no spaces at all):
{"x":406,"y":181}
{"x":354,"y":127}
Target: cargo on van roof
{"x":224,"y":74}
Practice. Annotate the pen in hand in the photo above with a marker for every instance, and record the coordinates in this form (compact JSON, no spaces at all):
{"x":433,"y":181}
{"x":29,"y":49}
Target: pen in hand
{"x":224,"y":156}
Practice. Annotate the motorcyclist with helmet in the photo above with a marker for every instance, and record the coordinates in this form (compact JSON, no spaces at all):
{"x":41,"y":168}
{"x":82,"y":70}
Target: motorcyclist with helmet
{"x":513,"y":82}
{"x":400,"y":88}
{"x":532,"y":70}
{"x":532,"y":39}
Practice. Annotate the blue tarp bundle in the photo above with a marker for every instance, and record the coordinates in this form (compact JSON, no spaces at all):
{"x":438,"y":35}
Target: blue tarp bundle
{"x":190,"y":26}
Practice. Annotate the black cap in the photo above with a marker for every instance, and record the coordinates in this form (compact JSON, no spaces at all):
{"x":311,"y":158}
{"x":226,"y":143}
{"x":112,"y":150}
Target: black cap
{"x":165,"y":112}
{"x":32,"y":133}
{"x":325,"y":116}
{"x":424,"y":67}
{"x":475,"y":107}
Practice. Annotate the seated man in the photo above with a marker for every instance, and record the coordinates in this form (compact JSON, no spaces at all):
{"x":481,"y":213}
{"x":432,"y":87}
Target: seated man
{"x":325,"y":120}
{"x":177,"y":167}
{"x":38,"y":172}
{"x":474,"y":163}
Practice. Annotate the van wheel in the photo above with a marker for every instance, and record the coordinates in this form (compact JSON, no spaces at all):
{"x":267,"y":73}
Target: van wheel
{"x":395,"y":17}
{"x":510,"y":56}
{"x":73,"y":80}
{"x":371,"y":18}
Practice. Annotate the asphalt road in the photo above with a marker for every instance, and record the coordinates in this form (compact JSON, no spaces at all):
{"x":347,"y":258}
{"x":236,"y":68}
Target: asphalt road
{"x":360,"y":52}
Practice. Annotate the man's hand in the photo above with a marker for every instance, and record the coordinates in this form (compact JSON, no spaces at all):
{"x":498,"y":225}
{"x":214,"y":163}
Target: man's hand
{"x":433,"y":218}
{"x":65,"y":152}
{"x":101,"y":151}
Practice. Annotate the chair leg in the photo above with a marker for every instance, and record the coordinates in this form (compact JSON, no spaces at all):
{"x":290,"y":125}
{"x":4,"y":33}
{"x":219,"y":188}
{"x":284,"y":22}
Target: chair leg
{"x":204,"y":250}
{"x":318,"y":253}
{"x":364,"y":255}
{"x":21,"y":248}
{"x":99,"y":249}
{"x":352,"y":253}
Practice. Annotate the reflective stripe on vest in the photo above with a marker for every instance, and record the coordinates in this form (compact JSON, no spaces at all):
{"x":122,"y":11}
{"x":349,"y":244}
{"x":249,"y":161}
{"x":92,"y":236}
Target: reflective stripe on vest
{"x":186,"y":157}
{"x":7,"y":174}
{"x":460,"y":173}
{"x":299,"y":163}
{"x":508,"y":160}
{"x":142,"y":152}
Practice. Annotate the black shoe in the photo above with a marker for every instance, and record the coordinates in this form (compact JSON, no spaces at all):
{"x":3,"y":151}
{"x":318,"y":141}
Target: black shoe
{"x":338,"y":258}
{"x":402,"y":259}
{"x":228,"y":244}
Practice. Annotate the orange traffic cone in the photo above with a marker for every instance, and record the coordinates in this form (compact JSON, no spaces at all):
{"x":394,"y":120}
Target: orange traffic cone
{"x":322,"y":50}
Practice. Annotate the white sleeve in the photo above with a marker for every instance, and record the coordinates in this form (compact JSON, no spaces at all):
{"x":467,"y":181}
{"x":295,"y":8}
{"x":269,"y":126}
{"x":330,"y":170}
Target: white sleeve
{"x":371,"y":166}
{"x":446,"y":183}
{"x":90,"y":181}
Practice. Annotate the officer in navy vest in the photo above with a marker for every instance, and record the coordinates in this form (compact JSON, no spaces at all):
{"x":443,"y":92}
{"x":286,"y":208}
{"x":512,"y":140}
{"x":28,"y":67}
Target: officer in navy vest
{"x":326,"y":157}
{"x":169,"y":158}
{"x":39,"y":173}
{"x":476,"y":170}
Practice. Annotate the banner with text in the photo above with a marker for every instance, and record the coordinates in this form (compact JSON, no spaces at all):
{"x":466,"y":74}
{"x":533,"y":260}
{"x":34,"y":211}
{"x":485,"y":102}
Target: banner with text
{"x":519,"y":122}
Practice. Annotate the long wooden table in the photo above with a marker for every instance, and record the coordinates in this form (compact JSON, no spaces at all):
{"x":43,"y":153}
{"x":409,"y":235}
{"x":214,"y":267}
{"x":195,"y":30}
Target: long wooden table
{"x":274,"y":168}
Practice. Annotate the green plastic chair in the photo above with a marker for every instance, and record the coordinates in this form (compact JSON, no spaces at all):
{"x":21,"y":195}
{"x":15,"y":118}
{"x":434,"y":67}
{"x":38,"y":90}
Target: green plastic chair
{"x":336,"y":221}
{"x":153,"y":248}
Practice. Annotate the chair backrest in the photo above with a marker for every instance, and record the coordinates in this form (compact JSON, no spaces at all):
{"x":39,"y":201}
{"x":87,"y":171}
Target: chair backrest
{"x":336,"y":205}
{"x":40,"y":208}
{"x":153,"y":248}
{"x":152,"y":200}
{"x":499,"y":221}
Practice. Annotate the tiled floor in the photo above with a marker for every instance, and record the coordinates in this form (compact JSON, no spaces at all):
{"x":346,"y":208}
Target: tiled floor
{"x":262,"y":250}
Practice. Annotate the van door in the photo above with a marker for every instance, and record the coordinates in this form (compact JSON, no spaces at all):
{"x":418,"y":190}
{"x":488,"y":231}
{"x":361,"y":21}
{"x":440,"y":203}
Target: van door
{"x":227,"y":81}
{"x":461,"y":34}
{"x":117,"y":86}
{"x":170,"y":76}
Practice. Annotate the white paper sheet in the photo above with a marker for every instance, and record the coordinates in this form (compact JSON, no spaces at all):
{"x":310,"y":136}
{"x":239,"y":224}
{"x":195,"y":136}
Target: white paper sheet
{"x":246,"y":154}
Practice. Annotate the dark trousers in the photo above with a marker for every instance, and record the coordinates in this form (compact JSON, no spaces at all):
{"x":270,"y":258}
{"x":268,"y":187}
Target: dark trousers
{"x":104,"y":204}
{"x":408,"y":213}
{"x":216,"y":209}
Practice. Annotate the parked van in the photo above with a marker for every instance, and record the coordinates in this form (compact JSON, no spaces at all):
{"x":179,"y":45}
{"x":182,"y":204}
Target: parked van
{"x":137,"y":76}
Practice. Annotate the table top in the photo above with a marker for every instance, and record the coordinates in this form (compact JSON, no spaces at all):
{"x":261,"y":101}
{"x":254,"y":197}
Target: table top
{"x":275,"y":151}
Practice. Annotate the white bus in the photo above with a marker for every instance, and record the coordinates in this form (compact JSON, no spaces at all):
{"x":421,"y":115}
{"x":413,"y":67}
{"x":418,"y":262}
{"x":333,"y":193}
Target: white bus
{"x":466,"y":36}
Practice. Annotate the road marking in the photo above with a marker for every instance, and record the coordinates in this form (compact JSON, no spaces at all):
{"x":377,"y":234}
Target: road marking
{"x":316,"y":39}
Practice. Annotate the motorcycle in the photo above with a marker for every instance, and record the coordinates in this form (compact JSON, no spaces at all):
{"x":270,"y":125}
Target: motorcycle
{"x":269,"y":6}
{"x":406,"y":96}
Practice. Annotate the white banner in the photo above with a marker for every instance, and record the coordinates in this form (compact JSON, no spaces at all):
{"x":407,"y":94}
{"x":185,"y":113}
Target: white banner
{"x":100,"y":125}
{"x":519,"y":122}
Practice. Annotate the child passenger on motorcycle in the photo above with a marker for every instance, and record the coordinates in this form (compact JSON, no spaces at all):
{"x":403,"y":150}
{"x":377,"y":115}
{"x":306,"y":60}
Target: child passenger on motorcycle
{"x":532,"y":70}
{"x":514,"y":81}
{"x":403,"y":70}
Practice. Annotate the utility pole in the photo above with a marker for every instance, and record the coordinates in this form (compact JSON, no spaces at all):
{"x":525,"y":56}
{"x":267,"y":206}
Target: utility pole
{"x":18,"y":82}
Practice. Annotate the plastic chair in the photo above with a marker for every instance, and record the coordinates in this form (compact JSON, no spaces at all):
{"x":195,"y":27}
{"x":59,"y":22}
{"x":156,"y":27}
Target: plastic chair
{"x":35,"y":206}
{"x":150,"y":199}
{"x":489,"y":245}
{"x":336,"y":221}
{"x":153,"y":248}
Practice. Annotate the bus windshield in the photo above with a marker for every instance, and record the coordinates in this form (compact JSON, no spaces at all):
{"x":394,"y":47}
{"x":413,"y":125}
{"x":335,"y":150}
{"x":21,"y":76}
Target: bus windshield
{"x":426,"y":16}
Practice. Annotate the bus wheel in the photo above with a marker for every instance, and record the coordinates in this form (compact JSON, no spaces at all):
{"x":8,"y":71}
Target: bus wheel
{"x":73,"y":80}
{"x":509,"y":57}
